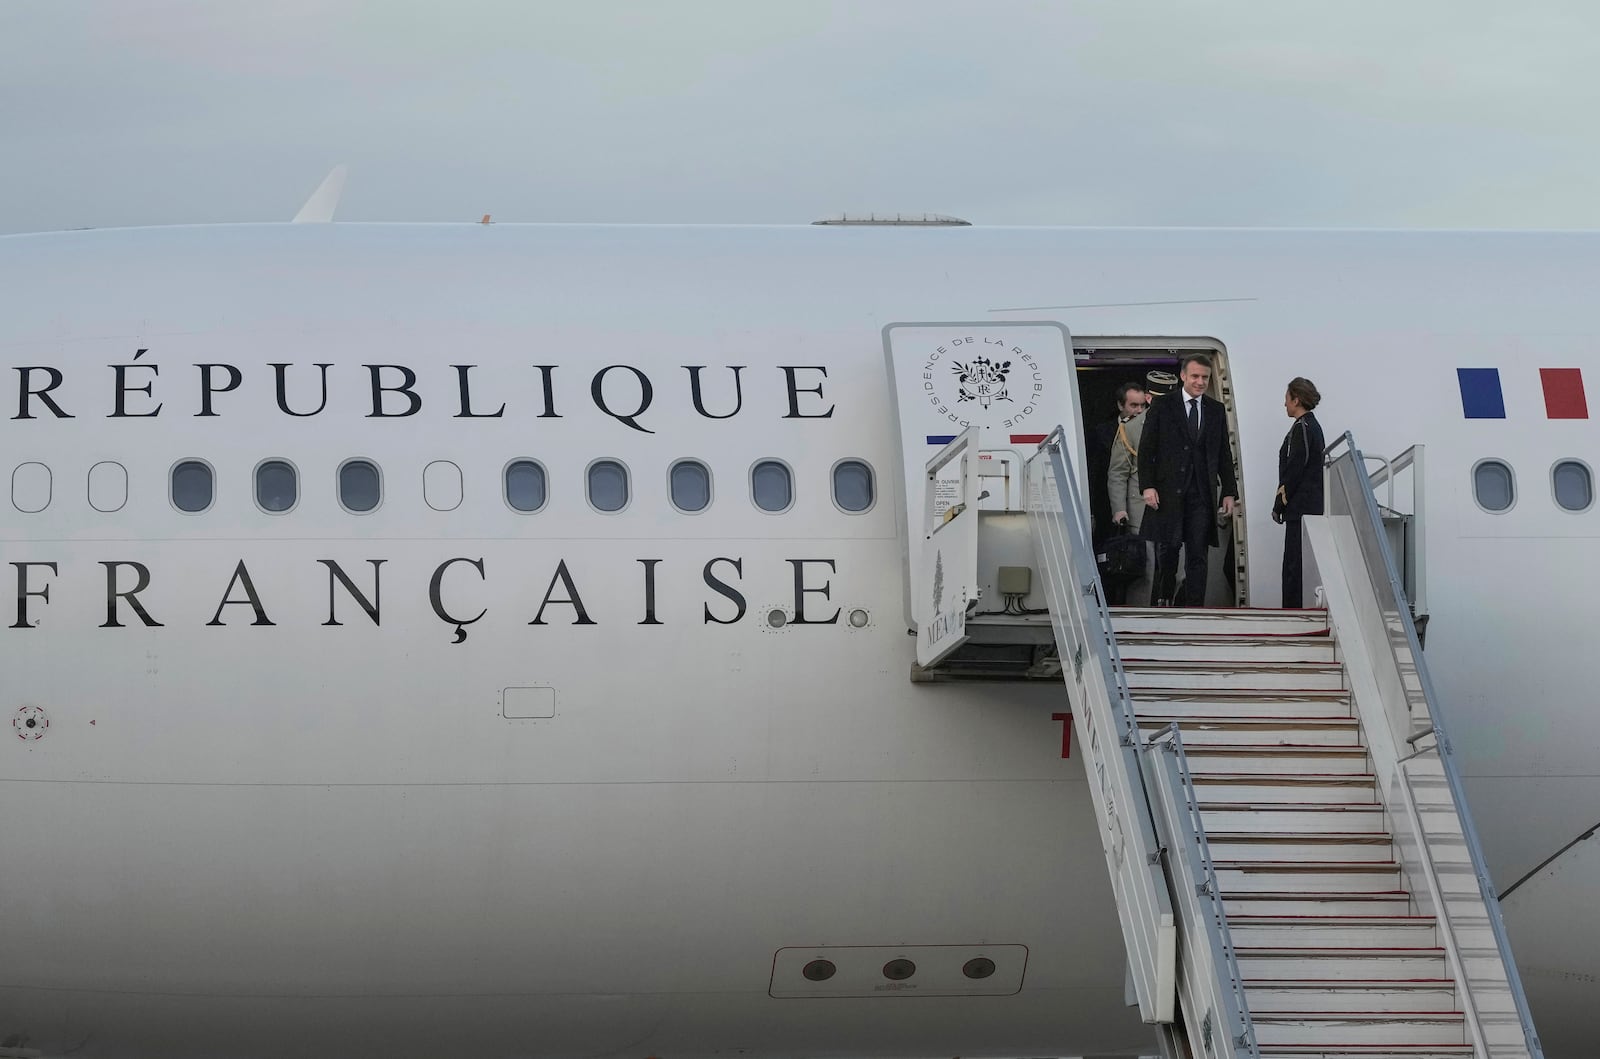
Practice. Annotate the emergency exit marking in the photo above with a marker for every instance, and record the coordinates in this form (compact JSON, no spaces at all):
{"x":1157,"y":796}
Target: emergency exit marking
{"x":1066,"y":732}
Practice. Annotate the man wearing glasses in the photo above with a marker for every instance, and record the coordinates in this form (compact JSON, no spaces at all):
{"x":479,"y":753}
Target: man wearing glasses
{"x":1122,"y":484}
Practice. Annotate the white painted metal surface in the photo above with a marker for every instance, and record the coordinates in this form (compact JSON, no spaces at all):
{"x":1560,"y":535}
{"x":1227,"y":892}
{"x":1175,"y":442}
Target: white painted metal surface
{"x":946,"y":560}
{"x":1098,"y":693}
{"x":237,"y":831}
{"x":1414,"y":762}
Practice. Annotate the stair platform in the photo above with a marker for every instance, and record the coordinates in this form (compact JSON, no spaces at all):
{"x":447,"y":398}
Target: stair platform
{"x":1431,"y":1028}
{"x":1247,"y":788}
{"x":1261,"y":731}
{"x":1327,"y":876}
{"x":1325,"y":931}
{"x":1235,"y":676}
{"x":1300,"y":962}
{"x":1297,"y":902}
{"x":1362,"y":1051}
{"x":1243,"y":648}
{"x":1226,"y":702}
{"x":1345,"y":995}
{"x":1219,"y":621}
{"x":1272,"y":759}
{"x":1328,"y":846}
{"x":1303,"y":818}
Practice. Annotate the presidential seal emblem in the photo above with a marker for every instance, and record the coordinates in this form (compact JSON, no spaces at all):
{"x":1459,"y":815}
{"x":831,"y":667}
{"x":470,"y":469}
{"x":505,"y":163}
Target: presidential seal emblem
{"x":982,"y":380}
{"x":997,"y":384}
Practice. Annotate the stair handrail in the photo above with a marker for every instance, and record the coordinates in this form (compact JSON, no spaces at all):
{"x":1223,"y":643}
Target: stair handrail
{"x":1102,"y":711}
{"x":1198,"y":896}
{"x":1084,"y":624}
{"x":1075,"y":515}
{"x":1413,"y":565}
{"x":1384,"y":577}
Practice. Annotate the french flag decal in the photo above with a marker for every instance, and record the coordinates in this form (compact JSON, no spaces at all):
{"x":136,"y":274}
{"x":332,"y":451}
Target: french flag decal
{"x":1563,"y":393}
{"x":1481,"y":397}
{"x":1016,"y":439}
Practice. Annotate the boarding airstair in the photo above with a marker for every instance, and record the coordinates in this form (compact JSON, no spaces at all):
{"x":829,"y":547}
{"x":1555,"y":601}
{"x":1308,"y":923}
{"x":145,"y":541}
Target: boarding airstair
{"x":1295,"y":869}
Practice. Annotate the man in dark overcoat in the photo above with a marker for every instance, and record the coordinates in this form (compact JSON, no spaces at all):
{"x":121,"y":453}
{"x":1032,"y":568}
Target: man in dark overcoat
{"x":1183,"y":457}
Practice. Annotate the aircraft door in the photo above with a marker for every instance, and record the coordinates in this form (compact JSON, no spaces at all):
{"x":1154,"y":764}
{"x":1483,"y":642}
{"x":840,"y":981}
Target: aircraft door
{"x":947,"y":573}
{"x":1009,"y":384}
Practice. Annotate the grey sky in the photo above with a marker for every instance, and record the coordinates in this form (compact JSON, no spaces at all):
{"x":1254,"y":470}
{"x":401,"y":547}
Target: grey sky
{"x":1257,"y":112}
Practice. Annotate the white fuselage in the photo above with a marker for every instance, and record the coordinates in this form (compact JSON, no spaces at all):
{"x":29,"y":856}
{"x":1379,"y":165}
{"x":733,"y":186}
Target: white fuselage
{"x":274,"y":811}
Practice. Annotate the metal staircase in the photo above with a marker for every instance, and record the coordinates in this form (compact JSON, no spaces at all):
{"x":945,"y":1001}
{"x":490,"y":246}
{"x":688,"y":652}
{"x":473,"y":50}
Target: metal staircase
{"x":1334,"y":957}
{"x":1295,"y":869}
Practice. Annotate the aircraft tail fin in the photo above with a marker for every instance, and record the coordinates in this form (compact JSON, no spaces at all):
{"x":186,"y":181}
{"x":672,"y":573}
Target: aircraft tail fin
{"x":319,"y":208}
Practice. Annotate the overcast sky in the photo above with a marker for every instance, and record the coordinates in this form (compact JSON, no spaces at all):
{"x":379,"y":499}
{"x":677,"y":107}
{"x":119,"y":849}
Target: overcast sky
{"x":1235,"y":112}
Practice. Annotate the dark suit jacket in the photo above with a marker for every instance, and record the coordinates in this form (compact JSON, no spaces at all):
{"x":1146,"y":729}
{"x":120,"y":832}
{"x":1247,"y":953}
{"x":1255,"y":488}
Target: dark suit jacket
{"x":1098,"y":460}
{"x":1166,"y":454}
{"x":1300,"y":469}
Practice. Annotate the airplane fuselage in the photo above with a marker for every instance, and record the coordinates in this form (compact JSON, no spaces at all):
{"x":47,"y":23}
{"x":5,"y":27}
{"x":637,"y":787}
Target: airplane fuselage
{"x":409,"y":762}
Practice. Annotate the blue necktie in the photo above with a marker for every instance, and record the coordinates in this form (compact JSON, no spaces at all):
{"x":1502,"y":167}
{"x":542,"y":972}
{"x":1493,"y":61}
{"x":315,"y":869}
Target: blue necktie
{"x":1194,"y":417}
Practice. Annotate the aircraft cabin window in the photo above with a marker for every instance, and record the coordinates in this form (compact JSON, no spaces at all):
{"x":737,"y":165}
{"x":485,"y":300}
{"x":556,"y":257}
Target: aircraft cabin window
{"x":691,"y":485}
{"x":852,"y":486}
{"x":30,"y":488}
{"x":608,"y":485}
{"x":277,"y":486}
{"x":1573,"y":485}
{"x":108,"y":486}
{"x":525,"y":485}
{"x":360,"y":486}
{"x":442,"y":487}
{"x":772,"y":486}
{"x":193,"y":486}
{"x":1493,"y":485}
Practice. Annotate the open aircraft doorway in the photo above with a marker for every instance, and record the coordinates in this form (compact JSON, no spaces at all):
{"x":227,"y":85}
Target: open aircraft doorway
{"x":1103,"y":365}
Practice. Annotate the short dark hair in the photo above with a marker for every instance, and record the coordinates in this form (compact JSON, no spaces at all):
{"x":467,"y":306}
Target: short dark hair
{"x":1303,"y":391}
{"x":1128,"y":387}
{"x":1194,"y":358}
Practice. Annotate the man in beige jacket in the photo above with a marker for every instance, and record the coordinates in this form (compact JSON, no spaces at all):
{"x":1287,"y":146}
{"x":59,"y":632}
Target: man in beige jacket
{"x":1122,"y":483}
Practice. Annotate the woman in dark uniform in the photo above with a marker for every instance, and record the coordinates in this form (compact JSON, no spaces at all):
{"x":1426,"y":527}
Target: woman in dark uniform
{"x":1299,"y":480}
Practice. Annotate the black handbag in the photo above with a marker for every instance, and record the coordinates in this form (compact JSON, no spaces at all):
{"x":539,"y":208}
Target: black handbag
{"x":1125,"y":554}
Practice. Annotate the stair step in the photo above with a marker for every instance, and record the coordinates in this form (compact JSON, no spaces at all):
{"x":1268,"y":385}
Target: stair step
{"x":1247,"y":876}
{"x":1362,"y":1051}
{"x":1221,"y":702}
{"x":1273,"y":760}
{"x":1299,"y":903}
{"x":1250,"y":788}
{"x":1299,"y":963}
{"x":1283,"y":731}
{"x":1327,"y":932}
{"x":1264,"y":996}
{"x":1245,"y":649}
{"x":1235,"y":676}
{"x":1268,"y":845}
{"x":1304,"y":818}
{"x":1345,"y":1028}
{"x":1222,"y":622}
